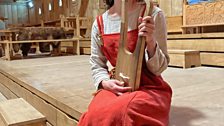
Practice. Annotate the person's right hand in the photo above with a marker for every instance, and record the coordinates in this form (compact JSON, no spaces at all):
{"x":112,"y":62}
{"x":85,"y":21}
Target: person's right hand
{"x":115,"y":86}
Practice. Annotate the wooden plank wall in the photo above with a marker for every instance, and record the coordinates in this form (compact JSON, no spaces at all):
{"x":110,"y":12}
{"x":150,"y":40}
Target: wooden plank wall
{"x":171,"y":7}
{"x":205,"y":13}
{"x":68,"y":8}
{"x":22,"y":14}
{"x":16,"y":13}
{"x":46,"y":14}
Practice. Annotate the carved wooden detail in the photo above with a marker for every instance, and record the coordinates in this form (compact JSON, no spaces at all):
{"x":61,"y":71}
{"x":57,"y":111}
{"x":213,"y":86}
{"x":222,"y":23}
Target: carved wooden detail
{"x":205,"y":13}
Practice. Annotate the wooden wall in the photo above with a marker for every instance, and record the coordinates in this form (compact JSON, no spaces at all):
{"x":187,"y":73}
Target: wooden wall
{"x":171,"y":7}
{"x":16,"y":13}
{"x":69,"y":8}
{"x":205,"y":13}
{"x":47,"y":15}
{"x":21,"y":14}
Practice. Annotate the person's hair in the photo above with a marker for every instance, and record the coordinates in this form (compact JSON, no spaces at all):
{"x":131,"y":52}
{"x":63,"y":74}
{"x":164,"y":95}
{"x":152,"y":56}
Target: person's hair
{"x":109,"y":3}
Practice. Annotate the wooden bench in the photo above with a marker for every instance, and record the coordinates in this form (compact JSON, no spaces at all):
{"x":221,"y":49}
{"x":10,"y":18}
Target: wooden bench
{"x":81,"y":26}
{"x":9,"y":51}
{"x":201,"y":28}
{"x":75,"y":26}
{"x":184,"y":58}
{"x":17,"y":112}
{"x":84,"y":43}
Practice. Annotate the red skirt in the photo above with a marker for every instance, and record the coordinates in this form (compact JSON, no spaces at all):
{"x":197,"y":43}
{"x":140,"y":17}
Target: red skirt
{"x":145,"y":107}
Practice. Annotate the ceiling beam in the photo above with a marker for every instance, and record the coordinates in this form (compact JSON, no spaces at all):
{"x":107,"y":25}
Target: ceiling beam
{"x":83,"y":7}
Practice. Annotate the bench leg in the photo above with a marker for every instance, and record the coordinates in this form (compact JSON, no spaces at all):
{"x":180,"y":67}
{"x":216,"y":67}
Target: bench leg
{"x":7,"y":51}
{"x":11,"y":50}
{"x":59,"y":49}
{"x":38,"y":48}
{"x":76,"y":47}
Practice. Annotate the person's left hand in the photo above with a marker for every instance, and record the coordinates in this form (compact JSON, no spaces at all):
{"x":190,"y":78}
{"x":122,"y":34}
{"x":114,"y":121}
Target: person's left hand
{"x":146,"y":28}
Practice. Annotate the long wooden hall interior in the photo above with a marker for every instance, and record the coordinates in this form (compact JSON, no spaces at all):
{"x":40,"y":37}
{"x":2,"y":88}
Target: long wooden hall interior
{"x":45,"y":70}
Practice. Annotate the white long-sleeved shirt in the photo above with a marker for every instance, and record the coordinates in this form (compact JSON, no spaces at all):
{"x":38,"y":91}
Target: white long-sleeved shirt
{"x":156,"y":64}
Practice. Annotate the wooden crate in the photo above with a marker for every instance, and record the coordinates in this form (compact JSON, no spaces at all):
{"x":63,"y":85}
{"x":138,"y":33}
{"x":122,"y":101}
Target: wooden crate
{"x":184,"y":58}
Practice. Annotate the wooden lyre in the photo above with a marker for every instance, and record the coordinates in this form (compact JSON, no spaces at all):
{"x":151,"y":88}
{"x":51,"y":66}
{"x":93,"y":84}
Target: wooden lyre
{"x":129,"y":65}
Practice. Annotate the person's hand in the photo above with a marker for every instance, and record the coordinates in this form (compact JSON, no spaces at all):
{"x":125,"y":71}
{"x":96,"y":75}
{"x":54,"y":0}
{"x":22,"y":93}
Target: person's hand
{"x":115,"y":86}
{"x":146,"y":28}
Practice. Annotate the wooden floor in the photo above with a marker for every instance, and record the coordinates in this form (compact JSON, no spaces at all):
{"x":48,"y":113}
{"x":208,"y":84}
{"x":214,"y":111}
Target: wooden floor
{"x":61,"y":89}
{"x":197,"y":96}
{"x":64,"y":83}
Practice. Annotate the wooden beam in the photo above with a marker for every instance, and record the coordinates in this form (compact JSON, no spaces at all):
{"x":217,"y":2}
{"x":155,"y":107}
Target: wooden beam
{"x":214,"y":59}
{"x":197,"y":36}
{"x":7,"y":93}
{"x":19,"y":112}
{"x":211,"y":45}
{"x":83,"y":8}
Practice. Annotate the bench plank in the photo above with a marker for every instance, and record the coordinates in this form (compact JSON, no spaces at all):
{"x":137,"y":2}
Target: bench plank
{"x":40,"y":41}
{"x":211,"y":45}
{"x":197,"y":36}
{"x":19,"y":112}
{"x":214,"y":59}
{"x":2,"y":97}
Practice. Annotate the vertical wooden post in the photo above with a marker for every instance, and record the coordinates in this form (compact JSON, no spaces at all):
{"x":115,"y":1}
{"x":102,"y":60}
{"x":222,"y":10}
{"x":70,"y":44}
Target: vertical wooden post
{"x":83,"y":7}
{"x":59,"y":48}
{"x":62,"y":17}
{"x":42,"y":23}
{"x":38,"y":48}
{"x":184,"y":30}
{"x":7,"y":52}
{"x":10,"y":45}
{"x":76,"y":46}
{"x":184,"y":12}
{"x":77,"y":26}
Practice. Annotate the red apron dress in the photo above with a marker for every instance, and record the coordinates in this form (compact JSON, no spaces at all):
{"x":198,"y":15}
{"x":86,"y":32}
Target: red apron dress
{"x":148,"y":106}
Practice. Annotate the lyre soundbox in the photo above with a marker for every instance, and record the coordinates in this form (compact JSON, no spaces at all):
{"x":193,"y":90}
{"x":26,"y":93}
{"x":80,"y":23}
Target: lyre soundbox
{"x":129,"y":65}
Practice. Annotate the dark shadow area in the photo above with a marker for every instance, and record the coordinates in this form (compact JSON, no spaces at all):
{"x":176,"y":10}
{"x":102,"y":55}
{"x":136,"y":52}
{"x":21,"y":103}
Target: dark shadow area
{"x":213,"y":66}
{"x":183,"y":116}
{"x":34,"y":56}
